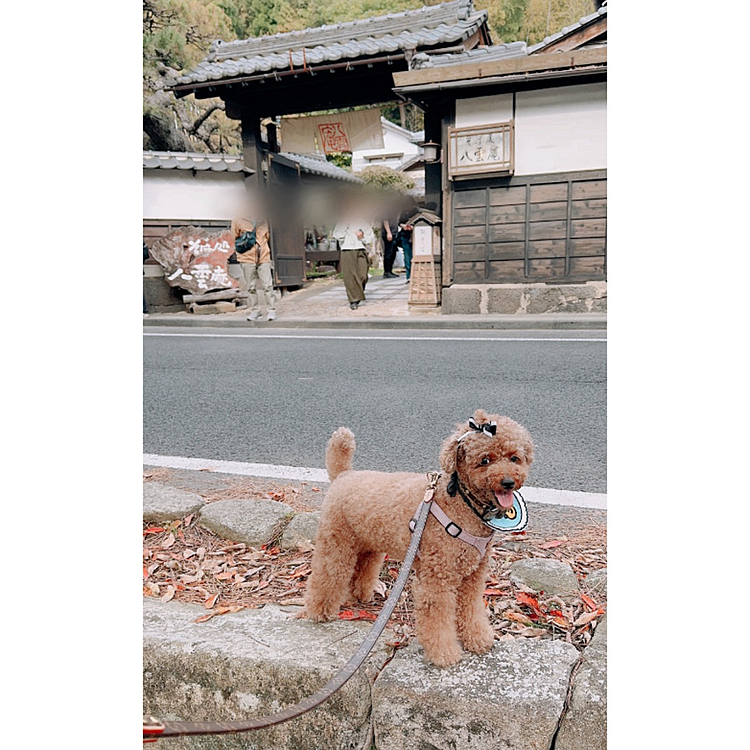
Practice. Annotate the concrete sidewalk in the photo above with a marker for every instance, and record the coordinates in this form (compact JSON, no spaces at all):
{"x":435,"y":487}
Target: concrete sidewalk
{"x":323,"y":304}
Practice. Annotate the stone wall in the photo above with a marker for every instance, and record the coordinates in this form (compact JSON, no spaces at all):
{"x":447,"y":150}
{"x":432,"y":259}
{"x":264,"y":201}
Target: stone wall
{"x":533,"y":299}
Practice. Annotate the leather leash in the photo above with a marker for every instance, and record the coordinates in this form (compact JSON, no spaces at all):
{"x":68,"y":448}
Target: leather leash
{"x":153,"y":729}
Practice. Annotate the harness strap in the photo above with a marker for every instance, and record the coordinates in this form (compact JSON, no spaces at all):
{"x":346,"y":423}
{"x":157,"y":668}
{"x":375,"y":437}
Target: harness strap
{"x":454,"y":530}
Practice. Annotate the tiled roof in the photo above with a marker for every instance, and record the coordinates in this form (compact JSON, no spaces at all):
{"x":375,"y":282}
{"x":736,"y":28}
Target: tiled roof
{"x":479,"y":54}
{"x":570,"y":29}
{"x":427,"y":27}
{"x":228,"y":163}
{"x":321,"y":166}
{"x":190,"y":160}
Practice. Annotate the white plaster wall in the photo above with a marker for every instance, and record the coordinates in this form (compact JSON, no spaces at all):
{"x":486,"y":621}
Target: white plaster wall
{"x":562,"y":129}
{"x":484,"y":110}
{"x":394,"y":143}
{"x":557,"y":130}
{"x":178,"y":194}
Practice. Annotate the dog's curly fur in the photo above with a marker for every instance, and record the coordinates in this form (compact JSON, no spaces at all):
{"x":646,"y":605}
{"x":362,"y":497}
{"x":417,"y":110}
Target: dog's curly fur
{"x":366,"y":517}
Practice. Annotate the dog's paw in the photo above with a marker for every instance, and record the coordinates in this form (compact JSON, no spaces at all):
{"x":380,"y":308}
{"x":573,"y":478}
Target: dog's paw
{"x":318,"y":616}
{"x":444,"y":657}
{"x":479,"y":643}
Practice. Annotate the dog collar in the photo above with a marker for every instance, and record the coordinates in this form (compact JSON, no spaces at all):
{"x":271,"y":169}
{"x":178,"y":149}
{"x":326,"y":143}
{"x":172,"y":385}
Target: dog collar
{"x":514,"y":518}
{"x":454,"y":530}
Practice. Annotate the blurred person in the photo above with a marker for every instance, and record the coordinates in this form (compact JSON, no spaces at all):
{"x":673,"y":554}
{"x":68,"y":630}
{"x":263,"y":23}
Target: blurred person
{"x":252,"y":245}
{"x":390,"y":233}
{"x":354,"y":235}
{"x":405,"y":232}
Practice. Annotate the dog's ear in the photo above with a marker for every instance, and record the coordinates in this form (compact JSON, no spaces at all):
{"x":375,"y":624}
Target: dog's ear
{"x":448,"y":450}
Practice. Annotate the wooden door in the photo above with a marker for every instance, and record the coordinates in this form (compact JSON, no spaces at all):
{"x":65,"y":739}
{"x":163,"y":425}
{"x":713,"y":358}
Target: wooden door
{"x":287,"y":234}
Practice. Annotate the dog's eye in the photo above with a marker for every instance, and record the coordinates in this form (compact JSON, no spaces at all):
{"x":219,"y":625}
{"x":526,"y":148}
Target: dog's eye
{"x":485,"y":461}
{"x":515,"y":459}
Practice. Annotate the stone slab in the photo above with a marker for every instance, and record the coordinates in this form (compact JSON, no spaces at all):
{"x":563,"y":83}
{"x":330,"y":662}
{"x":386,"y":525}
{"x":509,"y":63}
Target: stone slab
{"x":252,"y":663}
{"x":459,"y":301}
{"x":250,"y":521}
{"x":584,"y":726}
{"x":509,"y":699}
{"x":164,"y":503}
{"x":554,"y":577}
{"x":301,"y":530}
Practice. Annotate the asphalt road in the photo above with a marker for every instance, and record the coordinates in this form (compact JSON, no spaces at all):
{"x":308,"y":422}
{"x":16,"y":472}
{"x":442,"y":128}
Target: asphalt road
{"x":232,"y":395}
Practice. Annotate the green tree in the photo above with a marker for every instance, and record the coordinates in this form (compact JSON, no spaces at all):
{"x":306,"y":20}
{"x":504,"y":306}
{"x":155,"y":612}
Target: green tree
{"x":385,"y":178}
{"x":176,"y":35}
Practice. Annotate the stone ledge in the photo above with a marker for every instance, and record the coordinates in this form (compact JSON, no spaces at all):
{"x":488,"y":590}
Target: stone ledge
{"x":252,"y":663}
{"x":584,"y":726}
{"x":256,"y":662}
{"x":510,"y":699}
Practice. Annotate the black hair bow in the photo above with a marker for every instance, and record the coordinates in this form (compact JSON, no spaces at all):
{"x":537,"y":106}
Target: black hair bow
{"x":488,"y":428}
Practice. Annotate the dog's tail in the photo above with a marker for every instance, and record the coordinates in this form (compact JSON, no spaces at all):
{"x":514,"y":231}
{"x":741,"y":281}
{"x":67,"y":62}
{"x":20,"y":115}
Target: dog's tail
{"x":339,"y":452}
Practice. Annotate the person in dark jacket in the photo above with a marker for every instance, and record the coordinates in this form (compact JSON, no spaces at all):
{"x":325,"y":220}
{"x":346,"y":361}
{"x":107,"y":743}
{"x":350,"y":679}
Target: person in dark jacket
{"x":405,"y":232}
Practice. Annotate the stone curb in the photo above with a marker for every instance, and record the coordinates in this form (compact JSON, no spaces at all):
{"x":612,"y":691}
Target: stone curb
{"x":551,"y":321}
{"x":256,"y":662}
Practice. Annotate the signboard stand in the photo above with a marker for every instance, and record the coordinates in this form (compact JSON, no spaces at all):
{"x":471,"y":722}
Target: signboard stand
{"x":425,"y":286}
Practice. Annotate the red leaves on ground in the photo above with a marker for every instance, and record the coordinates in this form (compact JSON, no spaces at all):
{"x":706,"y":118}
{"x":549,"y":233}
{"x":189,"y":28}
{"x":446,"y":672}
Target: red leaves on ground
{"x":153,"y":530}
{"x":349,"y":614}
{"x":551,"y":545}
{"x":589,"y":602}
{"x":494,"y":592}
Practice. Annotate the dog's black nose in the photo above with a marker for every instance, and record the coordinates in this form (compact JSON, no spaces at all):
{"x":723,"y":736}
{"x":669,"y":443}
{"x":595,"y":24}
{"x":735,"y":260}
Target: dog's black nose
{"x":508,"y":483}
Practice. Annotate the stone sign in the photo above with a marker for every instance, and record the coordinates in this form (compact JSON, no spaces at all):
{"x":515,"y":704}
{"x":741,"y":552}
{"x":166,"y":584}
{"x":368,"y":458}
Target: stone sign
{"x":196,"y":261}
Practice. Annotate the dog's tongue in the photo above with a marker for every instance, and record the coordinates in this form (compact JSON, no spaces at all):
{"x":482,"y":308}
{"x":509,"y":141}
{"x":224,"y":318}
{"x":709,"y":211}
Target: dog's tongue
{"x":504,"y":498}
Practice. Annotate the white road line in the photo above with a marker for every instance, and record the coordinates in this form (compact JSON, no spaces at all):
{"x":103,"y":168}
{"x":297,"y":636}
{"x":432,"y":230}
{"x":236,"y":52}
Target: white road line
{"x":300,"y":473}
{"x":363,"y":338}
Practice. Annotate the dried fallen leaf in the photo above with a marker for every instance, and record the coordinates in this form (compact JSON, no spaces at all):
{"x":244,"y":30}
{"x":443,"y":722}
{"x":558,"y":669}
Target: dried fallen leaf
{"x":589,"y":602}
{"x":532,"y":632}
{"x":380,"y":588}
{"x":168,"y":542}
{"x":518,"y":617}
{"x":211,"y":601}
{"x":551,"y":545}
{"x":528,"y":600}
{"x":506,"y":637}
{"x":587,"y":617}
{"x":169,"y":594}
{"x":348,"y":614}
{"x":494,"y":592}
{"x":153,"y":530}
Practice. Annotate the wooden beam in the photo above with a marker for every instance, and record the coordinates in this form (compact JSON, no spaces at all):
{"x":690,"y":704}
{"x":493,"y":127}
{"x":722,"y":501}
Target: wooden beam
{"x":577,"y":38}
{"x":467,"y":71}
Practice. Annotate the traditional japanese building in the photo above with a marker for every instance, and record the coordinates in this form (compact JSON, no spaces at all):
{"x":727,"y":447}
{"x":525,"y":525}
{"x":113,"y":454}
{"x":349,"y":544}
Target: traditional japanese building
{"x":523,"y":170}
{"x":515,"y":142}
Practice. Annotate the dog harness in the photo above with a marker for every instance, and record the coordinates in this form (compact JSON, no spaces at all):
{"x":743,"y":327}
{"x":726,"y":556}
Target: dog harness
{"x":453,"y":529}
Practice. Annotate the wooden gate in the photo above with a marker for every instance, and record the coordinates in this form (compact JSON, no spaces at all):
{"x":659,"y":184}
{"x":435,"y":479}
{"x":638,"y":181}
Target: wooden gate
{"x":287,"y":235}
{"x":524,"y":229}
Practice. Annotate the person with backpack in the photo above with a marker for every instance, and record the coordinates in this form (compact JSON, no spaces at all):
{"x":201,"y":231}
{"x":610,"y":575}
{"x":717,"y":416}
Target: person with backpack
{"x":253,"y":248}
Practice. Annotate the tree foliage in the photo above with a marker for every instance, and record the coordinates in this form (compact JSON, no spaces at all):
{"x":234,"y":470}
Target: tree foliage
{"x":385,"y":178}
{"x":177,"y":35}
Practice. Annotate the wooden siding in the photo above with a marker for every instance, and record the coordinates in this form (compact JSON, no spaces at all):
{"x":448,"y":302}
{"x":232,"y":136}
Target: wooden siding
{"x":544,"y":228}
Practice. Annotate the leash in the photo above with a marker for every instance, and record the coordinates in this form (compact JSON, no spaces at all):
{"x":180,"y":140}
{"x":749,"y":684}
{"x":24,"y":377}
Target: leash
{"x":153,"y":729}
